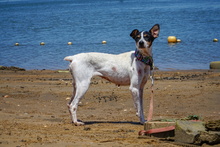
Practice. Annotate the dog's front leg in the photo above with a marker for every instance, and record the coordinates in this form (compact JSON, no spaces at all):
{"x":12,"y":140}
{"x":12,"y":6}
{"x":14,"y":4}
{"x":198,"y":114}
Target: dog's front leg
{"x":137,"y":94}
{"x":138,"y":102}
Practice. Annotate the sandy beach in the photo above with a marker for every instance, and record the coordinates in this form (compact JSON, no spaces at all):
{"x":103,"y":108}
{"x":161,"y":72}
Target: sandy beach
{"x":33,"y":108}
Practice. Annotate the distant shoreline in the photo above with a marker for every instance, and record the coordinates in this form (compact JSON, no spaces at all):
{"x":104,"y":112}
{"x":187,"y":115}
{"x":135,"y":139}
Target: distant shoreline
{"x":14,"y":68}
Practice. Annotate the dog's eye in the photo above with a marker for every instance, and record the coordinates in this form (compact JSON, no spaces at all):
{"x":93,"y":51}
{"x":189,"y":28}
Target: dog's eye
{"x":145,"y":35}
{"x":138,"y":36}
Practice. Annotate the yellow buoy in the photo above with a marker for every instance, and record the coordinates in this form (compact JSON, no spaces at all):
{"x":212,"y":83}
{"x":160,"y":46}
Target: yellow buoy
{"x":214,"y":65}
{"x":104,"y":42}
{"x":42,"y":43}
{"x":17,"y":44}
{"x":215,"y":40}
{"x":69,"y":43}
{"x":171,"y":39}
{"x":178,"y":40}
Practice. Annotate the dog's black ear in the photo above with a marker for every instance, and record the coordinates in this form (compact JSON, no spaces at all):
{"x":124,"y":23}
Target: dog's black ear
{"x":134,"y":33}
{"x":155,"y":30}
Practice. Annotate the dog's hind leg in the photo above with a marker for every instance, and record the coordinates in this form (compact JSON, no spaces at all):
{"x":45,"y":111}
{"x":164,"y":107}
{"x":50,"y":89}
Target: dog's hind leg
{"x":73,"y":95}
{"x":80,"y":89}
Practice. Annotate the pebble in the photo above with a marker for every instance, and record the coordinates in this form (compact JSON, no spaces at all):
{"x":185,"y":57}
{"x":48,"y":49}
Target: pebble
{"x":87,"y":128}
{"x":68,"y":98}
{"x":6,"y":96}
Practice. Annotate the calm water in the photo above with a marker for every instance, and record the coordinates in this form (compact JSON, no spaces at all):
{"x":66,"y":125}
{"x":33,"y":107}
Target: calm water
{"x":87,"y":23}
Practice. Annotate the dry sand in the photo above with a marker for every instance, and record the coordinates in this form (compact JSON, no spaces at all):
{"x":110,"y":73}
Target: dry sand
{"x":33,"y":110}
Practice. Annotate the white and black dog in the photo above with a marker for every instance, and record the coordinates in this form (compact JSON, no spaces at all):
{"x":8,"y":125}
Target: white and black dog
{"x":131,"y":68}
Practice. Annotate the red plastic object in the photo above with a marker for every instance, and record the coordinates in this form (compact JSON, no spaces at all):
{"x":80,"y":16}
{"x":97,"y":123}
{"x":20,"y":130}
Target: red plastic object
{"x":158,"y":130}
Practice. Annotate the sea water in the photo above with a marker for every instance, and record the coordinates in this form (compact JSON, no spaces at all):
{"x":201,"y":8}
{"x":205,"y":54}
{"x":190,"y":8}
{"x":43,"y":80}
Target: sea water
{"x":86,"y":23}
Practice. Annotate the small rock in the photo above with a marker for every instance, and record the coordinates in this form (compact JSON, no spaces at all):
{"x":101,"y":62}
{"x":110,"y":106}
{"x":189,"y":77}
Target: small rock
{"x":213,"y":125}
{"x":87,"y":128}
{"x":68,"y":98}
{"x":39,"y":138}
{"x":23,"y":140}
{"x":210,"y":137}
{"x":6,"y":96}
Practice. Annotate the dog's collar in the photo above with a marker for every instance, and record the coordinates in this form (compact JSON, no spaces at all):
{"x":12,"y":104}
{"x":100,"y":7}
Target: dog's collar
{"x":148,"y":60}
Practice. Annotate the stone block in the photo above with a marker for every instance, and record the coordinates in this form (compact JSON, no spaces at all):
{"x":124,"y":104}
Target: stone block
{"x":188,"y":131}
{"x":158,"y":124}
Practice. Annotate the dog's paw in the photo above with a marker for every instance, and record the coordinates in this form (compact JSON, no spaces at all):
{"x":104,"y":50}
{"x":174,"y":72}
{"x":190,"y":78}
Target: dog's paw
{"x":79,"y":123}
{"x":137,"y":114}
{"x":143,"y":121}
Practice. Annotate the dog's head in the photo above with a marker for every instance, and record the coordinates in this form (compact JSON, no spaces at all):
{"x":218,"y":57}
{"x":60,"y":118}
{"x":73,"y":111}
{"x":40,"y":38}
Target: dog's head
{"x":145,"y":39}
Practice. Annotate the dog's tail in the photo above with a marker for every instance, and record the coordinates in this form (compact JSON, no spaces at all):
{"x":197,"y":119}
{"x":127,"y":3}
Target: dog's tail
{"x":69,"y":58}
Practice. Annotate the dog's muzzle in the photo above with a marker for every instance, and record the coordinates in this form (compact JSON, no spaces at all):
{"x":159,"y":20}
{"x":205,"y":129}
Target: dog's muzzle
{"x":141,"y":44}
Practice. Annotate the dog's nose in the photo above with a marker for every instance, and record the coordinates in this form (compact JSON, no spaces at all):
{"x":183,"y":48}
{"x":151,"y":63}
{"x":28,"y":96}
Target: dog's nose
{"x":141,"y":43}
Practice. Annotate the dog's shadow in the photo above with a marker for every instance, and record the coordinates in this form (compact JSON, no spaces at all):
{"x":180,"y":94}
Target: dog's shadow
{"x":112,"y":122}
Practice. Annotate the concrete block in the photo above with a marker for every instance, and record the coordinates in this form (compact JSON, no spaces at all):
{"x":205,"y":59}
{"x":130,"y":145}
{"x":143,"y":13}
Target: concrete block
{"x":158,"y":125}
{"x":188,"y":131}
